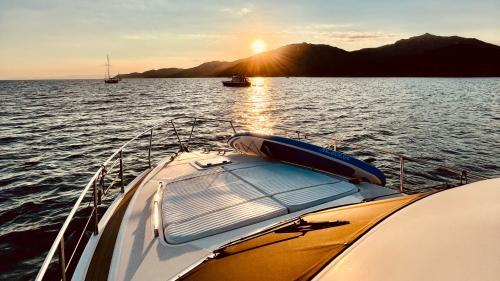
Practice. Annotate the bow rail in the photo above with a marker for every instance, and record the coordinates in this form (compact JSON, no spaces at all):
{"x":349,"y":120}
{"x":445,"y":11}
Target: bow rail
{"x":113,"y":167}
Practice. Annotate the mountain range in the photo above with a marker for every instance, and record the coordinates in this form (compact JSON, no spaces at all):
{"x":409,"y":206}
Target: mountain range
{"x":426,"y":55}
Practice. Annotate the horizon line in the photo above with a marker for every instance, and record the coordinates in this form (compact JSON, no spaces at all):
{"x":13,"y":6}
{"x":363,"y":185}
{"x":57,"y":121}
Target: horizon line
{"x":97,"y":76}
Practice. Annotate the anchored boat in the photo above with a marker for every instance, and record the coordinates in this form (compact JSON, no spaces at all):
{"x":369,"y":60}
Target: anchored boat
{"x":107,"y":77}
{"x":237,"y":81}
{"x":266,"y":207}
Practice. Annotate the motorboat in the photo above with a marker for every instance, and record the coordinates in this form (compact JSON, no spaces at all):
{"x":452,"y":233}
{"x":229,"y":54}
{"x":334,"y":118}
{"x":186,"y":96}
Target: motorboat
{"x":271,"y":207}
{"x":237,"y":81}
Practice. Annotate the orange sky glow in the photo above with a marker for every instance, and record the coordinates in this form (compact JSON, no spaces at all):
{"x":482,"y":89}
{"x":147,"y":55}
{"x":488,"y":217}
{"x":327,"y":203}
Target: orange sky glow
{"x":54,"y":39}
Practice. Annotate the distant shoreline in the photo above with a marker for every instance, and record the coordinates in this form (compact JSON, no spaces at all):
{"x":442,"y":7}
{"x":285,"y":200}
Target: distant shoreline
{"x":426,"y":55}
{"x":347,"y":77}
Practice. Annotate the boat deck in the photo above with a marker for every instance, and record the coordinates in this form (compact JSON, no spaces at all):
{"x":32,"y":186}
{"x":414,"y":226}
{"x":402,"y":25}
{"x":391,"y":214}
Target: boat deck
{"x":207,"y":200}
{"x":101,"y":259}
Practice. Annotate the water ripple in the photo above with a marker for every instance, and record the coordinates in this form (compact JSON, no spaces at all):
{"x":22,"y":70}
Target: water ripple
{"x":55,"y":134}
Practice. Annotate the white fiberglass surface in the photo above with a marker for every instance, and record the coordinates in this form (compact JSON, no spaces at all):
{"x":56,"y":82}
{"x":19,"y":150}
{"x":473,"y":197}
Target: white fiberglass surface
{"x":450,"y":235}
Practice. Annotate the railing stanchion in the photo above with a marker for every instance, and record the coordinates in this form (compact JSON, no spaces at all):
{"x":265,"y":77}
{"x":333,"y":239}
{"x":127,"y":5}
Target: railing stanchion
{"x":96,"y":218}
{"x":335,"y":144}
{"x":177,"y":135}
{"x":100,"y":190}
{"x":121,"y":172}
{"x":232,"y":126}
{"x":401,"y":172}
{"x":463,"y":177}
{"x":62,"y":261}
{"x":191,"y":133}
{"x":149,"y":150}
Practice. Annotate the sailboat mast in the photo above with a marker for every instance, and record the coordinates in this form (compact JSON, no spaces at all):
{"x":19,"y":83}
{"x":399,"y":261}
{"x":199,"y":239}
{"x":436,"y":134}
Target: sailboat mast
{"x":107,"y":57}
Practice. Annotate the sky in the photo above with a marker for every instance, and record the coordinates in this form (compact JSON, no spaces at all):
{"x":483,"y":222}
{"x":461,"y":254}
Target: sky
{"x":70,"y":39}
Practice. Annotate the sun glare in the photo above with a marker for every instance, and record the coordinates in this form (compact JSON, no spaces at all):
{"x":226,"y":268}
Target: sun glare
{"x":258,"y":46}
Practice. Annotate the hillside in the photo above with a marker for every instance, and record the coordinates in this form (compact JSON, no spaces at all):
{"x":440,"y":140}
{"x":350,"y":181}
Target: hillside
{"x":424,"y":55}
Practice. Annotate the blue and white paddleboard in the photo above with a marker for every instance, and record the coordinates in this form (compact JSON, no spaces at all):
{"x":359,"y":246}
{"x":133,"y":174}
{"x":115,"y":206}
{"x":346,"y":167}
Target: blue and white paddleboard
{"x":307,"y":155}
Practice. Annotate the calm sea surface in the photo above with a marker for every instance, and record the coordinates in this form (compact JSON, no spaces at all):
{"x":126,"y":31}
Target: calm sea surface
{"x":55,"y":134}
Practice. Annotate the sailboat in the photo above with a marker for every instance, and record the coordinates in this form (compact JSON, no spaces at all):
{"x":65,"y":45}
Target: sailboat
{"x":107,"y":77}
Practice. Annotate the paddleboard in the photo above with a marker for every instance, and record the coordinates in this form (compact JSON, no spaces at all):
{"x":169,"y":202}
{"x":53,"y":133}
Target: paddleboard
{"x":307,"y":155}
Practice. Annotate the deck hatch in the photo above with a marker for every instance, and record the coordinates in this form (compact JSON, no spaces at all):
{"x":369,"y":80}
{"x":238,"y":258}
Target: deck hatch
{"x":212,"y":162}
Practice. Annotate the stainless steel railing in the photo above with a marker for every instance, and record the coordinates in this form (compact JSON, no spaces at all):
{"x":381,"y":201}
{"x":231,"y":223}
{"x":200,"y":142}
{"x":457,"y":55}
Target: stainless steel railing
{"x":100,"y":190}
{"x":462,"y":176}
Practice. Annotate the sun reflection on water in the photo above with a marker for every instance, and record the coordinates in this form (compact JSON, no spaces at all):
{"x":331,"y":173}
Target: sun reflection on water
{"x":254,"y":110}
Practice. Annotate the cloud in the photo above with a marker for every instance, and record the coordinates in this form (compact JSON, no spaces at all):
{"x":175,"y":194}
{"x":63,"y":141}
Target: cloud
{"x":326,"y":26}
{"x":354,"y":35}
{"x":202,"y":36}
{"x":238,"y":12}
{"x":170,"y":36}
{"x":139,"y":36}
{"x":331,"y":33}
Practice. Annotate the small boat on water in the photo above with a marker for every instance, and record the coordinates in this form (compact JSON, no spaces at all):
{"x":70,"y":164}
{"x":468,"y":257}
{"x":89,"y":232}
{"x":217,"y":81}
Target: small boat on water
{"x":262,"y":207}
{"x":237,"y":81}
{"x":107,"y":77}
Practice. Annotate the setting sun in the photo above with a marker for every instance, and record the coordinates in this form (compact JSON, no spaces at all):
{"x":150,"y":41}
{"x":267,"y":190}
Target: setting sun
{"x":258,"y":46}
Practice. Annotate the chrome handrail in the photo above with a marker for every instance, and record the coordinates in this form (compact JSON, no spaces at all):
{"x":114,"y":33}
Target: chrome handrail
{"x":59,"y":241}
{"x":115,"y":158}
{"x":58,"y":244}
{"x":304,"y":135}
{"x":402,"y":158}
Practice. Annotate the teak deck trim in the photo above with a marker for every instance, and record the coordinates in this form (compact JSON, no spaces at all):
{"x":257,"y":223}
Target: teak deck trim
{"x":98,"y":269}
